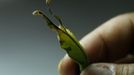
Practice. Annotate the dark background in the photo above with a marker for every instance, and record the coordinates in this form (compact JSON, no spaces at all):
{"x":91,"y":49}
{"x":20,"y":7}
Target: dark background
{"x":29,"y":47}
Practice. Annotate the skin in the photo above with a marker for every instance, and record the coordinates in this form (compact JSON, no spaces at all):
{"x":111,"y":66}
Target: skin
{"x":111,"y":43}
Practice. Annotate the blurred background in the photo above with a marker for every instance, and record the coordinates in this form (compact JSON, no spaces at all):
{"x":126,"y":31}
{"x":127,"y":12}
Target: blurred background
{"x":29,"y":47}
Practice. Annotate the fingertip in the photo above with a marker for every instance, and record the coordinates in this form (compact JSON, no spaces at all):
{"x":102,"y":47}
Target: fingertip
{"x":99,"y":69}
{"x":67,"y":66}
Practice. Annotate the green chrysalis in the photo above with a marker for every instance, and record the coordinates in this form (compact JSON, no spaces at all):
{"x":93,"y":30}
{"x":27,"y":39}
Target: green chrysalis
{"x":67,"y":40}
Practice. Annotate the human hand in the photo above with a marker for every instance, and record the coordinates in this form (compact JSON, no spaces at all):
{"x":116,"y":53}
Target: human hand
{"x":108,"y":47}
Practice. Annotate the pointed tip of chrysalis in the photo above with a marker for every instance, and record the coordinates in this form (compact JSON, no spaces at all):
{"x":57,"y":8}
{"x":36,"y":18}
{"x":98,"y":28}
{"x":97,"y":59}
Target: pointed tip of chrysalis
{"x":37,"y":13}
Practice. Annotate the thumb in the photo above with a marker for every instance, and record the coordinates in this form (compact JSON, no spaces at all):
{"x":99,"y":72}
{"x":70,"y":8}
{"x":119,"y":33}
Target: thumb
{"x":109,"y":69}
{"x":112,"y":40}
